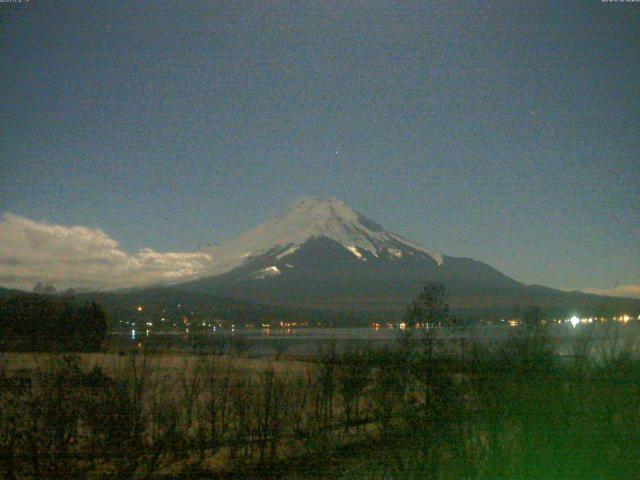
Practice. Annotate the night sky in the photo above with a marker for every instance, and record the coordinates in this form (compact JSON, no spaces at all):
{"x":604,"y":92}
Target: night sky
{"x":507,"y":133}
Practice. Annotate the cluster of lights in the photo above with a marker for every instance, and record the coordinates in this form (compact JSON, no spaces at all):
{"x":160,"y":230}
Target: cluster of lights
{"x":281,"y":325}
{"x":624,"y":318}
{"x":377,"y":325}
{"x":401,"y":325}
{"x":292,"y":324}
{"x":575,"y":321}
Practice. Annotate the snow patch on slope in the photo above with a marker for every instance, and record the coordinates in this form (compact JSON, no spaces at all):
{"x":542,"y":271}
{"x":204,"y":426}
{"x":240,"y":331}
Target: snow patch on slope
{"x":438,"y":257}
{"x":288,"y":251}
{"x":266,"y":272}
{"x":355,"y":251}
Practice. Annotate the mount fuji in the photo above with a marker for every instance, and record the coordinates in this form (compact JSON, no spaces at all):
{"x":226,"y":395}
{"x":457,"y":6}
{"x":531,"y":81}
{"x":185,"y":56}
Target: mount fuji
{"x":313,"y":219}
{"x":323,"y":254}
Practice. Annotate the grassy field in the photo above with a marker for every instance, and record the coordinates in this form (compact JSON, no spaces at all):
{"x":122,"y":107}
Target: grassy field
{"x":171,"y":364}
{"x":515,"y":410}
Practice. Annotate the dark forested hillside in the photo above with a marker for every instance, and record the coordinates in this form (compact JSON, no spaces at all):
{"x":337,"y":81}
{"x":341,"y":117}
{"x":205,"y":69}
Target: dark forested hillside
{"x":50,"y":323}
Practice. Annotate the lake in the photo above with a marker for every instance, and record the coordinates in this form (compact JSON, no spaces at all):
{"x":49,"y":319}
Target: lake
{"x":308,"y":341}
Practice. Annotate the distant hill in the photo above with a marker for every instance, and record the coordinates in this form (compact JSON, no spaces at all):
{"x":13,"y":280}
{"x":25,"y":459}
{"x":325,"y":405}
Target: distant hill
{"x":175,"y":304}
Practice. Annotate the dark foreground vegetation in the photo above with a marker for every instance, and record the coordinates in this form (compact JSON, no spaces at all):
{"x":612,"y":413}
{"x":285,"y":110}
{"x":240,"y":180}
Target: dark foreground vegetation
{"x":512,"y":411}
{"x":419,"y":410}
{"x":46,"y":323}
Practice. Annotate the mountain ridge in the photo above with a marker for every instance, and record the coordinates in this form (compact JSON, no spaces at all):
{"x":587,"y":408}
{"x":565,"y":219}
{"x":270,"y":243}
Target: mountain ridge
{"x":324,"y":254}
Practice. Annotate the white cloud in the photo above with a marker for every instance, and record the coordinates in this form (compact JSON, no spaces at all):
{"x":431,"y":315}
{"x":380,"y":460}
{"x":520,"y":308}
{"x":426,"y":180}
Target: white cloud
{"x":631,"y":291}
{"x":80,"y":257}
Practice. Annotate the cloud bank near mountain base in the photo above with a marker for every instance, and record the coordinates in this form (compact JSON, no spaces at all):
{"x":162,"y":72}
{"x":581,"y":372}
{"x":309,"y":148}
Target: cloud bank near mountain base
{"x":83,"y":258}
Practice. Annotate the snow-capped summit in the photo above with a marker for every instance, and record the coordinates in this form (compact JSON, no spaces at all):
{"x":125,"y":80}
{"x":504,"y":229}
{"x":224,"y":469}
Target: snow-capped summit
{"x":314,"y":218}
{"x":322,"y":254}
